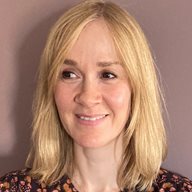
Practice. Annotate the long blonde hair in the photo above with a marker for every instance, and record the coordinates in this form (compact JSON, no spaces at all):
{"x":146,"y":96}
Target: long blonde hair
{"x":51,"y":154}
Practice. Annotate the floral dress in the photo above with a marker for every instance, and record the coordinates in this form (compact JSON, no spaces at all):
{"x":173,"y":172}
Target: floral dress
{"x":20,"y":181}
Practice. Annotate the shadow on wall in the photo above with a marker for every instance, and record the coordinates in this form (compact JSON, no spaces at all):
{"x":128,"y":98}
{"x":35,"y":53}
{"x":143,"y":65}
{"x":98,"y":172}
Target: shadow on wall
{"x":27,"y":61}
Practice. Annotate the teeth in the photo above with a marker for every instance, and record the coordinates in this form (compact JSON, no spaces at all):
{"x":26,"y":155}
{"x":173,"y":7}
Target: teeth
{"x":91,"y":118}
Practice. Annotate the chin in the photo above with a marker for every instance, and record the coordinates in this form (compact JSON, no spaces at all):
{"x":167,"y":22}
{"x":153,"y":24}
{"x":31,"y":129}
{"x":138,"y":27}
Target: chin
{"x":93,"y":143}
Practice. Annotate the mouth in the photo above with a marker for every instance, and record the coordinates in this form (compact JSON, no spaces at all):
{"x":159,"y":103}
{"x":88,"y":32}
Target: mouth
{"x":91,"y":118}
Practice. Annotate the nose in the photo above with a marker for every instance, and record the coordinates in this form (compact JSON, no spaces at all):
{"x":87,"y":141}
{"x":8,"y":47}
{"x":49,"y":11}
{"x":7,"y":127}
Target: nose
{"x":89,"y":94}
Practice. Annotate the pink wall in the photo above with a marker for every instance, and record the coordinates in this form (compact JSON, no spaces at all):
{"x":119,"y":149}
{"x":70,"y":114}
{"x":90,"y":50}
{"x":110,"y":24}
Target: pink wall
{"x":23,"y":29}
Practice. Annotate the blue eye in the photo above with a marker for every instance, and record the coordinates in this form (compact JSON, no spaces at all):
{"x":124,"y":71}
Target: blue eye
{"x":108,"y":75}
{"x":68,"y":75}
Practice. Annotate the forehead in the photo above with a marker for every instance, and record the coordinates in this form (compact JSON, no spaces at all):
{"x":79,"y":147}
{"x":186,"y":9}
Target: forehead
{"x":94,"y":41}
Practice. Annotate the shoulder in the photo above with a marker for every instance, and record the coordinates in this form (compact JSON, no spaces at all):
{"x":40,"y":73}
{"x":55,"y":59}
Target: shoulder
{"x":169,"y":181}
{"x":22,"y":181}
{"x":16,"y":181}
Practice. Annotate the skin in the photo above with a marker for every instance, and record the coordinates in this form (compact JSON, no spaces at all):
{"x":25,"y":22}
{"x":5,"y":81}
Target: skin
{"x":93,"y":98}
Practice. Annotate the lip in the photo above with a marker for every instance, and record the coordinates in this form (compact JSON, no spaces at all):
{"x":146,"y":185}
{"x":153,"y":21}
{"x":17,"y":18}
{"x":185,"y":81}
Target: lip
{"x":91,"y":120}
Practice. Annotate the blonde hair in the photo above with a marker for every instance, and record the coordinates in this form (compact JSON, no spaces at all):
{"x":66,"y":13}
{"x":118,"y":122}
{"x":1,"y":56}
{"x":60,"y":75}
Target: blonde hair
{"x":51,"y":154}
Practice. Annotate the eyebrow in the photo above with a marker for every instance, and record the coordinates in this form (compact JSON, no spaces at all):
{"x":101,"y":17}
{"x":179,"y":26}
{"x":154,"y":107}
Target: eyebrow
{"x":70,"y":62}
{"x":100,"y":64}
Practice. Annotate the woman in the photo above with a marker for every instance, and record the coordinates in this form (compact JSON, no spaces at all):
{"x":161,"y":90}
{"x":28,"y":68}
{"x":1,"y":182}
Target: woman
{"x":97,"y":113}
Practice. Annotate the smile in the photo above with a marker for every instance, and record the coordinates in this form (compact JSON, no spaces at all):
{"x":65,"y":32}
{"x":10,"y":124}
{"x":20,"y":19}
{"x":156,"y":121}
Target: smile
{"x":91,"y":118}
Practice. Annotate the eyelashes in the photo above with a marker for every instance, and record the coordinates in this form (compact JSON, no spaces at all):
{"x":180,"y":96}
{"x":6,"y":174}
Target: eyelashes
{"x":108,"y":75}
{"x":70,"y":75}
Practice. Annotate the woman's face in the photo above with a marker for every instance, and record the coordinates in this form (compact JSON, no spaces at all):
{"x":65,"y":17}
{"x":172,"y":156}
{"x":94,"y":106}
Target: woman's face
{"x":93,"y":95}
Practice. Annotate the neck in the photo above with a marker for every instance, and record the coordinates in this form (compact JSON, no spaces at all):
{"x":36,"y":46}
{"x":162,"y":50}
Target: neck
{"x":96,"y":168}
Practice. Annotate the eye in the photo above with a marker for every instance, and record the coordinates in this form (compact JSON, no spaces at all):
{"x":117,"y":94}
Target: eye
{"x":108,"y":75}
{"x":68,"y":75}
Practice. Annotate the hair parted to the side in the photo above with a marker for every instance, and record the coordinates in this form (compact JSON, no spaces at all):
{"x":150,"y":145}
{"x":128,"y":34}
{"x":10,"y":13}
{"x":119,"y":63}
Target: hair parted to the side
{"x":51,"y":154}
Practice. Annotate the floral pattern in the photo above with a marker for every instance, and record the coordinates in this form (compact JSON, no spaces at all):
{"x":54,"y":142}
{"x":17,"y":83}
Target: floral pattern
{"x":20,"y":181}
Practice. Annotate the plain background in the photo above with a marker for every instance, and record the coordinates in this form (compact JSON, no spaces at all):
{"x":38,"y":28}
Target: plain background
{"x":24,"y":26}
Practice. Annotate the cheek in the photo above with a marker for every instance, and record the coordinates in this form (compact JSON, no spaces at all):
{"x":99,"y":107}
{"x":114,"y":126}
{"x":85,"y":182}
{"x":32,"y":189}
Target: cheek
{"x":120,"y":96}
{"x":62,"y":98}
{"x":63,"y":105}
